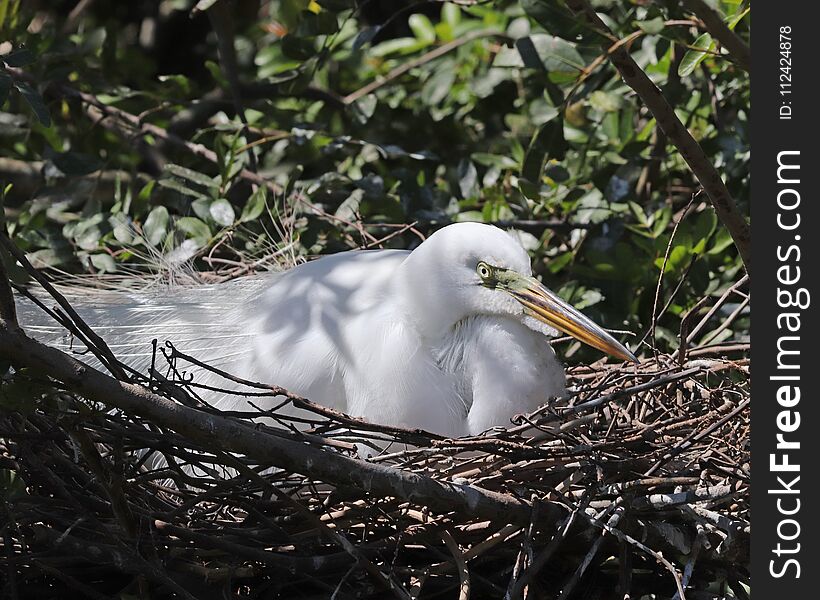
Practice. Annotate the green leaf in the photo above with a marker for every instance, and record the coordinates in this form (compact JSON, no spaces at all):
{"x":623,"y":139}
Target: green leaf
{"x":365,"y":36}
{"x":103,"y":262}
{"x":180,"y":81}
{"x":722,"y":240}
{"x":191,"y":175}
{"x":222,"y":212}
{"x":661,"y":220}
{"x":651,"y":26}
{"x":364,"y":108}
{"x":122,"y":228}
{"x":88,"y":233}
{"x":451,"y":14}
{"x":543,"y":52}
{"x":12,"y":485}
{"x":694,"y":56}
{"x":35,"y":101}
{"x":733,"y":20}
{"x":637,"y":210}
{"x":438,"y":86}
{"x":298,"y":48}
{"x":76,"y":163}
{"x":203,"y":5}
{"x":705,"y":223}
{"x":195,"y":228}
{"x":322,"y":23}
{"x":4,"y":11}
{"x":675,"y":260}
{"x":467,"y":178}
{"x":501,"y":161}
{"x":202,"y":208}
{"x":156,"y":225}
{"x":349,"y":209}
{"x":48,"y":257}
{"x":422,"y":28}
{"x":18,"y":58}
{"x":605,"y":101}
{"x":255,"y":205}
{"x":547,"y":143}
{"x":403,"y":45}
{"x":216,"y":72}
{"x":177,"y":186}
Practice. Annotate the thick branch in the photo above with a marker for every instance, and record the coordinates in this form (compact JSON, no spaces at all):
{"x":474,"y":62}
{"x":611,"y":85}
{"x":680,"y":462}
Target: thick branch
{"x":677,"y":133}
{"x":233,"y":436}
{"x":739,"y":50}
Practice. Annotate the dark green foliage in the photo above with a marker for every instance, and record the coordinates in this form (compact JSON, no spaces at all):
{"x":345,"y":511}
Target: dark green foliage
{"x":498,"y":112}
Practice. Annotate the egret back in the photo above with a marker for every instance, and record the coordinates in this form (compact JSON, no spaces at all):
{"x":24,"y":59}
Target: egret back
{"x":206,"y":321}
{"x":290,"y":329}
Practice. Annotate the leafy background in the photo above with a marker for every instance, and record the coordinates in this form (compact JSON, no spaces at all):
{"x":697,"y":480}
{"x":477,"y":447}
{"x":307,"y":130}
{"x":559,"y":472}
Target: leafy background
{"x":145,"y":137}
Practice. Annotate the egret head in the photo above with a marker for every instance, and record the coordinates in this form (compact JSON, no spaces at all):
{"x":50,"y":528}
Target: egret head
{"x":468,"y":269}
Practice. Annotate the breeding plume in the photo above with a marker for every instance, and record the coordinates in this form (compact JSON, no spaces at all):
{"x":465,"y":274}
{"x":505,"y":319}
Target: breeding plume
{"x":451,"y":337}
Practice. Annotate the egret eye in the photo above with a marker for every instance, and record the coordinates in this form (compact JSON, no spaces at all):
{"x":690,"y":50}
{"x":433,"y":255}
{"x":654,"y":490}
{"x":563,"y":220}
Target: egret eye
{"x":484,"y":271}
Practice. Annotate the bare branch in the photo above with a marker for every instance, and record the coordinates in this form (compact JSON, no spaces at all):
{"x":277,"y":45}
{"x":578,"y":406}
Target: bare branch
{"x":676,"y":131}
{"x":214,"y":430}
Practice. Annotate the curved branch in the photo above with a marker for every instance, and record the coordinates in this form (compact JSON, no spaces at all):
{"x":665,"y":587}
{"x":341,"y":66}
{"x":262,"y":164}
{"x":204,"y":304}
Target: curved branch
{"x":234,"y":436}
{"x":676,"y":131}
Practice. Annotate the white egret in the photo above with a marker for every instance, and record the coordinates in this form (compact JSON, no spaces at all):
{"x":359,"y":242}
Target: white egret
{"x":451,"y":337}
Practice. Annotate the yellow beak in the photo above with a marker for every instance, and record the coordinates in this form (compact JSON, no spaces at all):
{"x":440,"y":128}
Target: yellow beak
{"x":546,"y":306}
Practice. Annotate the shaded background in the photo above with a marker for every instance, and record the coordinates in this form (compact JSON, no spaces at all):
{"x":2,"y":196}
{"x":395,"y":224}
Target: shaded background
{"x":232,"y":136}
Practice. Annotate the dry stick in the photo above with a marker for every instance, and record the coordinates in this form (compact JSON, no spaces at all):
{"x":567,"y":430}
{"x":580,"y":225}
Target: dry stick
{"x":655,"y":314}
{"x":624,"y":537}
{"x":714,"y":23}
{"x":11,"y":572}
{"x":302,"y":564}
{"x":591,"y":553}
{"x":684,"y":328}
{"x":641,"y":387}
{"x":305,"y":404}
{"x":677,"y":133}
{"x":728,"y":321}
{"x":543,"y":557}
{"x":691,"y":336}
{"x":695,"y":437}
{"x":229,"y":435}
{"x":125,"y":559}
{"x":385,"y":580}
{"x":461,"y":565}
{"x":102,"y":350}
{"x":85,"y":590}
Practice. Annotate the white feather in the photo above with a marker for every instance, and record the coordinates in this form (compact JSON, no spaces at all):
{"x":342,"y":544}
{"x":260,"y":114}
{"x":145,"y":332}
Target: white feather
{"x":401,"y":338}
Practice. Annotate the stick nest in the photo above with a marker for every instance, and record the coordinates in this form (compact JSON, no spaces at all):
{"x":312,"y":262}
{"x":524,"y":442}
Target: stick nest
{"x":637,"y":484}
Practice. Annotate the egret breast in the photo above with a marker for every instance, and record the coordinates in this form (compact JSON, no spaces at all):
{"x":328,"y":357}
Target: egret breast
{"x":502,"y":368}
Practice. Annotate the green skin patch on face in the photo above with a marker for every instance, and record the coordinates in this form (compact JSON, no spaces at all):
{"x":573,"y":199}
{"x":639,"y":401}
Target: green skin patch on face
{"x":546,"y":306}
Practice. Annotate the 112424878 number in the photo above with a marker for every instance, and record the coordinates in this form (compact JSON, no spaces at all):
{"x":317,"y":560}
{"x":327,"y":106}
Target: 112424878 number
{"x":785,"y":60}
